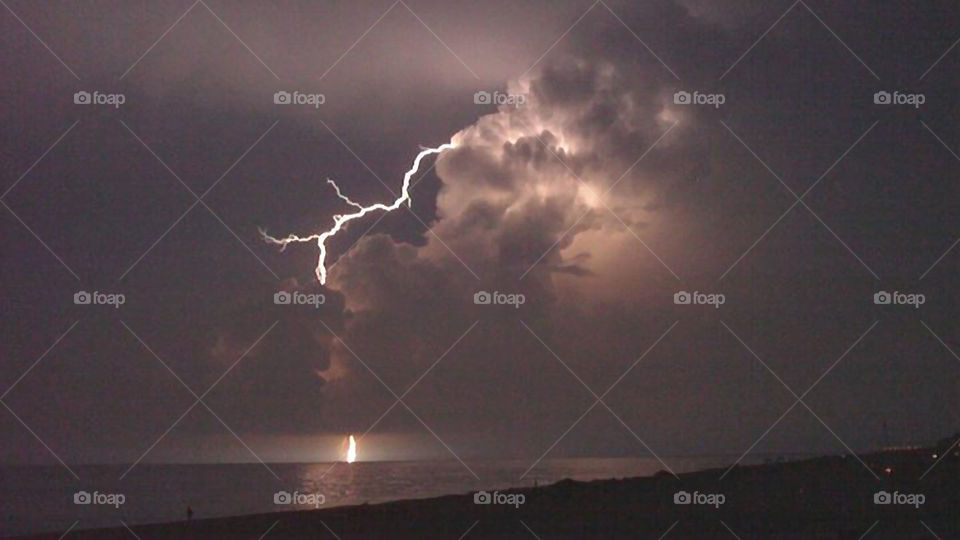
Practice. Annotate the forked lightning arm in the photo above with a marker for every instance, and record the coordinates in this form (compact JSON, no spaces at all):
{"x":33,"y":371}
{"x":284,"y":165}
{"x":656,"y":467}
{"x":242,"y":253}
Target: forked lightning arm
{"x":339,"y":220}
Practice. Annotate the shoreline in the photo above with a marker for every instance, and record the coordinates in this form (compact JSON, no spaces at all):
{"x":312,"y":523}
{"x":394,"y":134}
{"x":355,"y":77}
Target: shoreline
{"x":830,"y":497}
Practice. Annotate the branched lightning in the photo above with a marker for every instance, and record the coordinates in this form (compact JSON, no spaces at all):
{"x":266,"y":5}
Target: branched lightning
{"x":339,"y":220}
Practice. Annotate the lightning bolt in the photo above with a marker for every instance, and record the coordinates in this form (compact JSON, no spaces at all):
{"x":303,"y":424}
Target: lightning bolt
{"x":339,"y":220}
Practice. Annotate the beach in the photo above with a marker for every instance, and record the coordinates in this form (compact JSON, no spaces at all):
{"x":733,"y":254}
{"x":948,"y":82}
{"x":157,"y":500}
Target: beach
{"x":828,"y":497}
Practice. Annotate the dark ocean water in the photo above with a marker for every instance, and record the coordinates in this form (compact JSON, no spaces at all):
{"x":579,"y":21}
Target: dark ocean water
{"x":41,"y":498}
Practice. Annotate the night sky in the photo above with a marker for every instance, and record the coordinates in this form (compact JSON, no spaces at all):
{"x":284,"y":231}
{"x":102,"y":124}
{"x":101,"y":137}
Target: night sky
{"x":598,"y":198}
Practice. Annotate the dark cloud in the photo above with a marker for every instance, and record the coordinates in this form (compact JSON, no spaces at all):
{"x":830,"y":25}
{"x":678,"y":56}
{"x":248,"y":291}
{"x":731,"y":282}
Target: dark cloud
{"x":521,"y":205}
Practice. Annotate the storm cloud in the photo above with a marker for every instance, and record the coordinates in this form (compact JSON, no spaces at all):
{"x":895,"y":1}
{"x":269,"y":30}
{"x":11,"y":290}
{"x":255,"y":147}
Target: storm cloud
{"x":598,"y":199}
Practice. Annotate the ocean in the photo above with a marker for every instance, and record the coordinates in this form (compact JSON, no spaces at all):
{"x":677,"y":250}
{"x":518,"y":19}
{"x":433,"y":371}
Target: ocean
{"x":41,"y":498}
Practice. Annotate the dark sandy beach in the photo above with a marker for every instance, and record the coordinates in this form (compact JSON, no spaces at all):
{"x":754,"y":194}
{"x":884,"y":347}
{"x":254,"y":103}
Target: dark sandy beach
{"x":829,"y":497}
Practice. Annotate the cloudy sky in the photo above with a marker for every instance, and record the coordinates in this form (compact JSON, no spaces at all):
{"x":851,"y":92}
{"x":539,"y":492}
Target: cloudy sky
{"x":787,"y":185}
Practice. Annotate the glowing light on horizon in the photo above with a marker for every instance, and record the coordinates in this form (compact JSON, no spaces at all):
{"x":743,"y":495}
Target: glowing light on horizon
{"x":339,"y":220}
{"x":351,"y":450}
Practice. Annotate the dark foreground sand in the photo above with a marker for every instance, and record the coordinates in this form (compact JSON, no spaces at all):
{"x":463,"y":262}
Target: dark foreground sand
{"x":830,"y":497}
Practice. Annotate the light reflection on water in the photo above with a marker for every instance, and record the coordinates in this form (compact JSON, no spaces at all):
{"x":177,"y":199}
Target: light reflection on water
{"x":374,"y":482}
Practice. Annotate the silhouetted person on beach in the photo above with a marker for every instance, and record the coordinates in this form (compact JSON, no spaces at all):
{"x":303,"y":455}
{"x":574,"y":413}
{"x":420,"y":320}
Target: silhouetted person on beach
{"x":189,"y":513}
